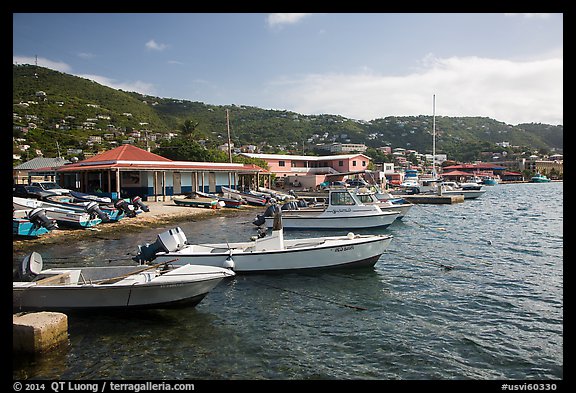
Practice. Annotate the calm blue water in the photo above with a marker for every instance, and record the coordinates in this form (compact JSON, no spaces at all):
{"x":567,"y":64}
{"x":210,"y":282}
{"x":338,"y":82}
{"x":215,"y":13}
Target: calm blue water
{"x":498,"y":314}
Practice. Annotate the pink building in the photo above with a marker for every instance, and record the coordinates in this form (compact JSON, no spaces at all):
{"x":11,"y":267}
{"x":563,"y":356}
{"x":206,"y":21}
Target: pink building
{"x":310,"y":171}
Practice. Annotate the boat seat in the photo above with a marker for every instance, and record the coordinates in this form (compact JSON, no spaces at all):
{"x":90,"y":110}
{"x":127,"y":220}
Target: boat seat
{"x":58,"y":277}
{"x":219,"y":250}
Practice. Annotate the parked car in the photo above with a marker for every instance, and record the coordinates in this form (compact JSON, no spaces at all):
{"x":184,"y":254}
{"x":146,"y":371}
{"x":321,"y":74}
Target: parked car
{"x":357,"y":183}
{"x":51,"y":186}
{"x":24,"y":191}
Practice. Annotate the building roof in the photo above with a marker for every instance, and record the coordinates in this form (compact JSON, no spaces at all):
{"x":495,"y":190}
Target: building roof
{"x":481,"y":165}
{"x":302,"y":158}
{"x":42,"y":162}
{"x":126,"y":153}
{"x":129,"y":157}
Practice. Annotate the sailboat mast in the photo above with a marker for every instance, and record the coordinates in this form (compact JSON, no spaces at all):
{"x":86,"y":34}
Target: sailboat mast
{"x":434,"y":135}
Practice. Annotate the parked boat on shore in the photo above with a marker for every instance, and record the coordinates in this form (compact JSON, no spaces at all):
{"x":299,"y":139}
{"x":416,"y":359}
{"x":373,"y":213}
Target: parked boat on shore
{"x":227,"y":202}
{"x":31,"y":223}
{"x":197,"y":201}
{"x":250,"y":198}
{"x":64,"y":217}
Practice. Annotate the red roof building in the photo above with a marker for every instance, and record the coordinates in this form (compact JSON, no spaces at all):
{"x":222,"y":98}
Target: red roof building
{"x":129,"y":171}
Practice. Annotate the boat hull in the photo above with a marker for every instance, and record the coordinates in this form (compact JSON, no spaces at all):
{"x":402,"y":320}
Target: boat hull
{"x":25,"y":228}
{"x":297,"y":254}
{"x":468,"y":194}
{"x":211,"y":204}
{"x":162,"y":292}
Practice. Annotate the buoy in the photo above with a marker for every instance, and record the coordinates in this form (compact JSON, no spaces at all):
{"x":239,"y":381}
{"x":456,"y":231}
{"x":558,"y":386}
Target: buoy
{"x":229,"y":263}
{"x":350,"y":235}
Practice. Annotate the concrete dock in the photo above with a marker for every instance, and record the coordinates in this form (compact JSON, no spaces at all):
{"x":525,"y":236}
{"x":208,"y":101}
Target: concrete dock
{"x":433,"y":199}
{"x":38,"y":332}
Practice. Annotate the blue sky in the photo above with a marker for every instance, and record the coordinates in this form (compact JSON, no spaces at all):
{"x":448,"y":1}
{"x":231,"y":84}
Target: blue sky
{"x":359,"y":65}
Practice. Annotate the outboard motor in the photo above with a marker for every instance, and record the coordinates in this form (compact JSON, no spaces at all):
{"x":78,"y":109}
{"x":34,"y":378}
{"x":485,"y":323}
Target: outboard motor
{"x":30,"y":267}
{"x":93,"y":208}
{"x":123,"y":206}
{"x":269,"y":212}
{"x":292,"y":205}
{"x":38,"y":217}
{"x":171,"y":240}
{"x":137,"y":202}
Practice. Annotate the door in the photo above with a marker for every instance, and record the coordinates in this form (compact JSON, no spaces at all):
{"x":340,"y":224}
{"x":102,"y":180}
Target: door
{"x":177,"y":183}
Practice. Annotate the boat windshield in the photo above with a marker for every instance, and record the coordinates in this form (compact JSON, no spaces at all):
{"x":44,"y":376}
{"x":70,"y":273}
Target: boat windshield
{"x":341,"y":198}
{"x":50,"y":186}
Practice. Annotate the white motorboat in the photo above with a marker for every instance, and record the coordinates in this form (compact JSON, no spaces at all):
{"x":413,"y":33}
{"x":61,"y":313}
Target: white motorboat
{"x":112,"y":287}
{"x":271,"y":253}
{"x":400,"y":205}
{"x":63,"y":216}
{"x":344,"y":211}
{"x":249,"y":197}
{"x":469,"y":190}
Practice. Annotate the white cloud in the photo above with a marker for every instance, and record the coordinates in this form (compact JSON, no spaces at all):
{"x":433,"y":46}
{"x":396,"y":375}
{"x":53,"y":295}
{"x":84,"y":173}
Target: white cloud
{"x":284,"y":19}
{"x":153,"y":45}
{"x":531,"y":15}
{"x":508,"y":91}
{"x":85,"y":55}
{"x":137,"y":86}
{"x":42,"y":62}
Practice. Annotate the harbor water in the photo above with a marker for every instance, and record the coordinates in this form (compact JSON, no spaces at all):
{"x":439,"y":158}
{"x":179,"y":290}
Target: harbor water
{"x":468,"y":291}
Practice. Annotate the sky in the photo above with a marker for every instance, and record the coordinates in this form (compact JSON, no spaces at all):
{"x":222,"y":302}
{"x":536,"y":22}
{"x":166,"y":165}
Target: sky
{"x":362,"y":66}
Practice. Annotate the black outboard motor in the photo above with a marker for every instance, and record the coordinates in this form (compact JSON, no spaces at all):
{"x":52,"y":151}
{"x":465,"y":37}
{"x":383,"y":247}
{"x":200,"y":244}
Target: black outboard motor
{"x":123,"y":206}
{"x":137,"y":202}
{"x":269,"y":212}
{"x":38,"y":217}
{"x":93,"y":208}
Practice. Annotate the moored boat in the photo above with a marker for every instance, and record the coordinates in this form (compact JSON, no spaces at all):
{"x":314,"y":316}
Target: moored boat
{"x":269,"y":254}
{"x":112,"y":287}
{"x":344,"y":211}
{"x":540,"y":178}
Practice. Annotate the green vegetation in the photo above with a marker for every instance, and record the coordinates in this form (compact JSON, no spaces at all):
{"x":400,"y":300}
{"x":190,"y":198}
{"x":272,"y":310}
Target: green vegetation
{"x":61,"y":114}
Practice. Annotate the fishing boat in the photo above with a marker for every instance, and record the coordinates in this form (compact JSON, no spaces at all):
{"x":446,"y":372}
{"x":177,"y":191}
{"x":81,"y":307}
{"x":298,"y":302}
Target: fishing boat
{"x":112,"y":287}
{"x":400,"y":205}
{"x":540,"y":178}
{"x":469,"y":190}
{"x":197,"y":201}
{"x":228,"y":202}
{"x":64,"y":217}
{"x":344,"y":211}
{"x":250,"y":198}
{"x":93,"y":208}
{"x":269,"y":254}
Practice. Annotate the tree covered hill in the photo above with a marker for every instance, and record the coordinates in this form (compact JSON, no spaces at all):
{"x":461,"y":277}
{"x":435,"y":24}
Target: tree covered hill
{"x":70,"y":109}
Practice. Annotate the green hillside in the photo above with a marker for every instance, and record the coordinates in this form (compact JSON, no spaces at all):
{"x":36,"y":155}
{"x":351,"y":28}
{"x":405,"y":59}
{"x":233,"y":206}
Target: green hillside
{"x":68,"y":110}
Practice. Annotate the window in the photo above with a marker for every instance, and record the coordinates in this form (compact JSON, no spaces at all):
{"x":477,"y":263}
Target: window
{"x":340,"y":163}
{"x":341,"y":198}
{"x":363,"y":163}
{"x":281,"y":163}
{"x":353,"y":163}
